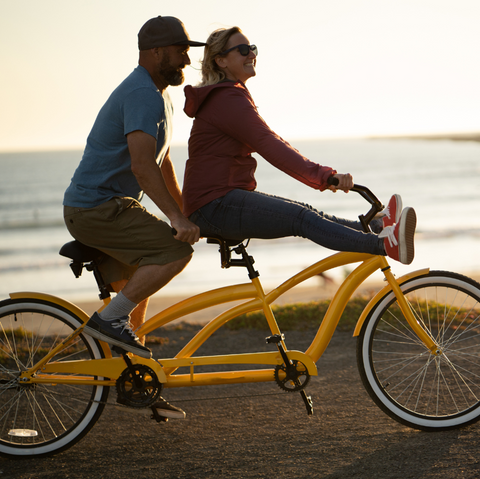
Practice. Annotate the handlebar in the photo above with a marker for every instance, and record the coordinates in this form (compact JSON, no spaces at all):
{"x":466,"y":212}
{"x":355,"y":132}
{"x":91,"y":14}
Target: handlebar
{"x":368,"y":196}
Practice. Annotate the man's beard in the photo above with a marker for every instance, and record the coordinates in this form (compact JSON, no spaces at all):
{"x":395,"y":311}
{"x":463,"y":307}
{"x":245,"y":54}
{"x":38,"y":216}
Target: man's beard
{"x":173,"y":76}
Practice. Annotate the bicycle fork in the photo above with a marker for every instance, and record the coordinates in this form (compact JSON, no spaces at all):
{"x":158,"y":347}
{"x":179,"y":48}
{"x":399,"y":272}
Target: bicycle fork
{"x":419,"y":330}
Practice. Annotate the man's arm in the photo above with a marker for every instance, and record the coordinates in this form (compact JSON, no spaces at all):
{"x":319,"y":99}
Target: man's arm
{"x":150,"y":179}
{"x":171,"y":181}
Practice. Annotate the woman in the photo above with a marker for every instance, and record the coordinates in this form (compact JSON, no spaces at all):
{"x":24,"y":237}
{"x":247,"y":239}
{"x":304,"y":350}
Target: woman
{"x":219,"y":185}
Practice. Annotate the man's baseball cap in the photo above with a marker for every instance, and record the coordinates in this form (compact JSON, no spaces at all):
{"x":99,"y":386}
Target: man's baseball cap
{"x":162,"y":32}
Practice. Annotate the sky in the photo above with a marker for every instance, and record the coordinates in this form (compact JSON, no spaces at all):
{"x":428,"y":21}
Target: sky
{"x":326,"y":68}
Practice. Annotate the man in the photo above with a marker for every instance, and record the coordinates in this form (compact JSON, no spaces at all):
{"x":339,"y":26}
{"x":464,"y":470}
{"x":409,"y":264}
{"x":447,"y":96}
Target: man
{"x":126,"y":155}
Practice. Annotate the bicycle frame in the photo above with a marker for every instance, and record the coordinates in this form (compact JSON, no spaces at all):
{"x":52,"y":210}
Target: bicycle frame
{"x":95,"y":371}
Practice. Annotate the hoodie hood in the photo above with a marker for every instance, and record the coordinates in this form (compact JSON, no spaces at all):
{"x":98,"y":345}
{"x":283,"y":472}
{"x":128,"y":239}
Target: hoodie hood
{"x":196,"y":96}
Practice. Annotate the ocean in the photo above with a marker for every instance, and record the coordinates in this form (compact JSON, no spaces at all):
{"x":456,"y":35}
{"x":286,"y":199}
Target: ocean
{"x":440,"y":179}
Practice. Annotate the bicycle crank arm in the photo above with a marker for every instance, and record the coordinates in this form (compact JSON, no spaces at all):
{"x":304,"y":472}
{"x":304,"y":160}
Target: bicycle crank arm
{"x":308,"y":402}
{"x":291,"y":370}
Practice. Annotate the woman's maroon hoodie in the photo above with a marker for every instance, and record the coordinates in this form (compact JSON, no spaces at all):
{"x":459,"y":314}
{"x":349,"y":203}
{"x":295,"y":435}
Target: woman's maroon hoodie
{"x":227,"y":129}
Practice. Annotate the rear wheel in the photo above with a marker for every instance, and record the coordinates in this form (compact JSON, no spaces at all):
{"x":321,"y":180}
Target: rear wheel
{"x":408,"y":382}
{"x":42,"y":419}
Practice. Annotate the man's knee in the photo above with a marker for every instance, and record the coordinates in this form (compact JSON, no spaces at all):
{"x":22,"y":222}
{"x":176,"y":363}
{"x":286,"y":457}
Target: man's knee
{"x":179,"y":265}
{"x":171,"y":269}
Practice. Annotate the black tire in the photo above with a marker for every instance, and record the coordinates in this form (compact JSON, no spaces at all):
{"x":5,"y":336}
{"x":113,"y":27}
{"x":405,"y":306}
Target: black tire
{"x":413,"y":386}
{"x":43,"y":419}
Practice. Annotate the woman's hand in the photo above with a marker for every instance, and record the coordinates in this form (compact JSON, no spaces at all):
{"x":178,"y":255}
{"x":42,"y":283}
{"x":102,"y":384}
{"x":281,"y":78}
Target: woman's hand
{"x":345,"y":182}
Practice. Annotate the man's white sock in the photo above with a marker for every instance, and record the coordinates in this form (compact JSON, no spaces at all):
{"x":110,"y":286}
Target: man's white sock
{"x":119,"y":307}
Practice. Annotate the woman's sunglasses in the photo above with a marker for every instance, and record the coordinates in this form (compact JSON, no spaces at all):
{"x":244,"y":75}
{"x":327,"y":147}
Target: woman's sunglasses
{"x":244,"y":49}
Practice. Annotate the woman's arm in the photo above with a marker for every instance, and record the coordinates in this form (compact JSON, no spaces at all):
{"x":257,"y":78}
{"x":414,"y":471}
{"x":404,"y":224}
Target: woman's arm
{"x":233,"y":112}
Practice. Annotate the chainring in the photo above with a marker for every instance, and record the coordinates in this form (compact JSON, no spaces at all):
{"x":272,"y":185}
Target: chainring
{"x":293,"y":377}
{"x":138,"y":387}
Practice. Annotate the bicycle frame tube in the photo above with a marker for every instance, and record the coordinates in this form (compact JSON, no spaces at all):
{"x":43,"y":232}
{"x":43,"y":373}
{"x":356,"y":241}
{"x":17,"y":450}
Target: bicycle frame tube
{"x":368,"y":265}
{"x":382,"y":293}
{"x":197,"y":303}
{"x":259,"y":301}
{"x":343,"y":295}
{"x":110,"y":368}
{"x":339,"y":302}
{"x":244,"y":291}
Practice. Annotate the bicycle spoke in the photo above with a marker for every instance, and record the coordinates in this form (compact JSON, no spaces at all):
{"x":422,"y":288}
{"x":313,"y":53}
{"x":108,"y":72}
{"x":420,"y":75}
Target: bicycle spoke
{"x":43,"y":417}
{"x":412,"y":384}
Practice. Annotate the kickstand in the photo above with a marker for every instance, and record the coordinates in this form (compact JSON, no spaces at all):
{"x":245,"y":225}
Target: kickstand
{"x":308,"y":402}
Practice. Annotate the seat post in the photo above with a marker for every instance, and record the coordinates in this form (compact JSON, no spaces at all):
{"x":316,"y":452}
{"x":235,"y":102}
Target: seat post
{"x":83,"y":256}
{"x":226,"y":248}
{"x":102,"y":287}
{"x":247,"y":261}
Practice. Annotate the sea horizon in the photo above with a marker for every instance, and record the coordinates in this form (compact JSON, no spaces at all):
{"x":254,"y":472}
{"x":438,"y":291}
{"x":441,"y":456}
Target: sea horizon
{"x":430,"y":136}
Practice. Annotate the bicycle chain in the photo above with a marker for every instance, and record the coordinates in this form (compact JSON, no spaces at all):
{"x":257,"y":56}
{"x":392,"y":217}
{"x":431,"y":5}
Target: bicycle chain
{"x":217,"y":398}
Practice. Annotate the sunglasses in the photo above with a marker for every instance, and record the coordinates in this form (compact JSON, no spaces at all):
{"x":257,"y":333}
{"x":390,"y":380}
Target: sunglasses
{"x":244,"y":49}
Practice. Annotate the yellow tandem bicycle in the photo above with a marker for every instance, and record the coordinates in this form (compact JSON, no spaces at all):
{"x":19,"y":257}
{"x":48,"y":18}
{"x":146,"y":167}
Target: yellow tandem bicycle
{"x":418,"y":349}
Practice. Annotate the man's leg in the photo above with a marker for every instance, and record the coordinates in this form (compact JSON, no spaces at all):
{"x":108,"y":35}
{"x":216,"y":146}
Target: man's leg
{"x":146,"y":275}
{"x":125,"y":231}
{"x":111,"y":324}
{"x":150,"y":278}
{"x":143,"y":281}
{"x":137,"y":317}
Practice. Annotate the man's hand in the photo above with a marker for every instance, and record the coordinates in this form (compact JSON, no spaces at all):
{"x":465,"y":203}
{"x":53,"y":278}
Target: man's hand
{"x":185,"y":230}
{"x":345,"y":182}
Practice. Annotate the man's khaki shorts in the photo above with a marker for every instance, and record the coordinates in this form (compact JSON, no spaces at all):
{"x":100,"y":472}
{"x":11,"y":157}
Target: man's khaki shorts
{"x":126,"y":232}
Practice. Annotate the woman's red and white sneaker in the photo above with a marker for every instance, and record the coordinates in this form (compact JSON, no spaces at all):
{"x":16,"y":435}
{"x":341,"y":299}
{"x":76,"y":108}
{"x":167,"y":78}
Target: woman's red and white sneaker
{"x":398,"y":239}
{"x":393,"y":211}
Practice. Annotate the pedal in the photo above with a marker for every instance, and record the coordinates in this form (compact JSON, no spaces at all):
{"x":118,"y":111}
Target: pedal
{"x":275,"y":339}
{"x":157,"y":416}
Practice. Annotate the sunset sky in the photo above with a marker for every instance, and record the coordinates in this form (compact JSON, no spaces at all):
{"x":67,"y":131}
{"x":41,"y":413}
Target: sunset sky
{"x":326,"y":68}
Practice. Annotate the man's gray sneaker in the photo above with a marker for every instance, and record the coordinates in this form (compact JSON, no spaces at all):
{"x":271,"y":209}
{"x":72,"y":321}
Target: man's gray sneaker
{"x":117,"y":332}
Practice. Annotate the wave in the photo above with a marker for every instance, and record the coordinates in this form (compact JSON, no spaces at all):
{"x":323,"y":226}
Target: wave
{"x":33,"y":223}
{"x":426,"y":235}
{"x":31,"y":266}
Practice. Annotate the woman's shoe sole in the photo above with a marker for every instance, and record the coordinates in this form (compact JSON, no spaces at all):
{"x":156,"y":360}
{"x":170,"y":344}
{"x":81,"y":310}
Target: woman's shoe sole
{"x":406,"y":234}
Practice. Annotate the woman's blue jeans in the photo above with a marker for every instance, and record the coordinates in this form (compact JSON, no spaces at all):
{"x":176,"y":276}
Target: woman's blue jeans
{"x":242,"y":214}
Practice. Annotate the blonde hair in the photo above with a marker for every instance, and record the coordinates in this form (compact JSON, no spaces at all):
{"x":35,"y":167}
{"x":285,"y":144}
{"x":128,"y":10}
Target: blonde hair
{"x":216,"y":43}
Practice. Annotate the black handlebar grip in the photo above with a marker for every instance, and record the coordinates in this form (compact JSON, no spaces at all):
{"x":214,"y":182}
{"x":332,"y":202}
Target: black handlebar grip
{"x":333,"y":181}
{"x":174,"y":232}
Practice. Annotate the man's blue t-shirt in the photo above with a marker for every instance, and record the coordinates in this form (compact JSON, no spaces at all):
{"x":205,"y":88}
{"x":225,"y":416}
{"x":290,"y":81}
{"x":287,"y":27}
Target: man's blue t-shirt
{"x":105,"y":169}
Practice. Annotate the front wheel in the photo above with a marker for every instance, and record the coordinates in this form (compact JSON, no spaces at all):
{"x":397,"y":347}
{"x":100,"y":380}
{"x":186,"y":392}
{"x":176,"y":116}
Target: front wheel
{"x":43,"y":419}
{"x":413,"y":386}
